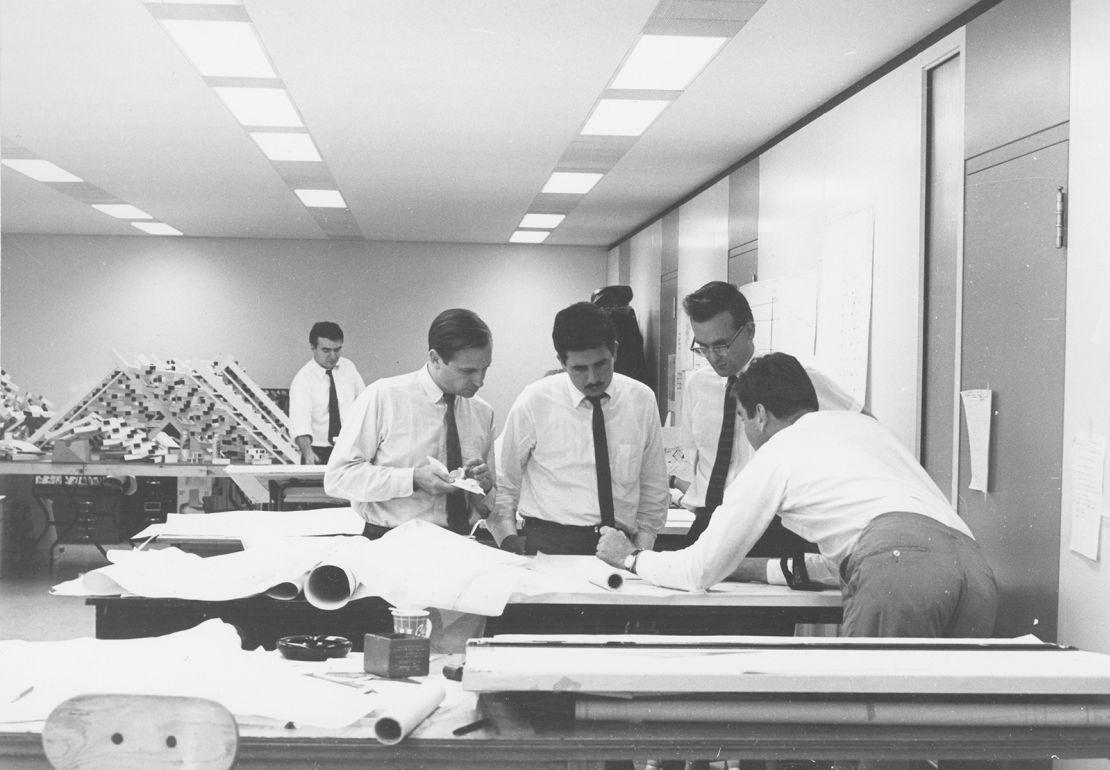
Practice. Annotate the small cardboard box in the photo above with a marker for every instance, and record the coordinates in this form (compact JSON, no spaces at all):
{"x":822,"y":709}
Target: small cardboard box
{"x":395,"y":655}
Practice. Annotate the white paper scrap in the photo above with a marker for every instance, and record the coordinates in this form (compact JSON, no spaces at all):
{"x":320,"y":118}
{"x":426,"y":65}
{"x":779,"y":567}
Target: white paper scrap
{"x":977,"y":411}
{"x":1088,"y":457}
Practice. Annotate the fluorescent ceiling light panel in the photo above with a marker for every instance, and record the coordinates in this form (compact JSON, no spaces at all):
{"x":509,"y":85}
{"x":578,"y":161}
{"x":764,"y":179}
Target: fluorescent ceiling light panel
{"x":542,"y":220}
{"x":574,"y":182}
{"x":322,"y":199}
{"x":156,"y":228}
{"x":286,"y":146}
{"x":623,"y":117}
{"x":260,"y":106}
{"x":528,"y":236}
{"x":41,"y":170}
{"x":666,"y":62}
{"x":121,"y":211}
{"x":221,"y":48}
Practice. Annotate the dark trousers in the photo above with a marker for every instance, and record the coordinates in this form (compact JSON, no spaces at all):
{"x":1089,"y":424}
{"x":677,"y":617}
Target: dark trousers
{"x":323,"y":453}
{"x":548,"y":537}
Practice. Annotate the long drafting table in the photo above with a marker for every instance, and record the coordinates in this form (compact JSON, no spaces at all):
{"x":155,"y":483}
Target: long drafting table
{"x":729,"y":608}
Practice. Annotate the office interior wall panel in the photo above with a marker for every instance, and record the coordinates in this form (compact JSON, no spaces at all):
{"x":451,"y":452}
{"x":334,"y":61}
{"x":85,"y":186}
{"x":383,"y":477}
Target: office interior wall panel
{"x":743,"y":205}
{"x":1085,"y":584}
{"x":1014,"y":51}
{"x":703,"y":239}
{"x":613,"y":266}
{"x":69,"y":301}
{"x":865,"y":154}
{"x":645,"y":259}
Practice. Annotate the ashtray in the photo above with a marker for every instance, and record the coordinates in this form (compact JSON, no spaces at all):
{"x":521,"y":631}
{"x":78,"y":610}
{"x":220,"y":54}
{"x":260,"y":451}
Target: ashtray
{"x":314,"y":647}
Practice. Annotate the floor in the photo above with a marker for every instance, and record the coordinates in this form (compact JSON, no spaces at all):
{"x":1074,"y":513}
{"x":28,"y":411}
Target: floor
{"x":28,"y":610}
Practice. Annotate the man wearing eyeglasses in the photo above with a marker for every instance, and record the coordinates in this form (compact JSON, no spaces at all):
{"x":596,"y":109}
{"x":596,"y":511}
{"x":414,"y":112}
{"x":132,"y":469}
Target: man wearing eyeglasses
{"x":721,"y":319}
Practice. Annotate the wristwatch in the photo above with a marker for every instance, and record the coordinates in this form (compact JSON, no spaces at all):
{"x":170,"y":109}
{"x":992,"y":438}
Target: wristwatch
{"x":629,"y":562}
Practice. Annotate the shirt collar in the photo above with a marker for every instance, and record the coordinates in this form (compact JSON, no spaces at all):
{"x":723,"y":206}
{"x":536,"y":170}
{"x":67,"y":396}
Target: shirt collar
{"x":428,"y":386}
{"x":576,"y":397}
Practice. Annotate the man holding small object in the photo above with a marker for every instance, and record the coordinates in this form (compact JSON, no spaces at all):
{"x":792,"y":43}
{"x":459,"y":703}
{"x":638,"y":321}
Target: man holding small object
{"x":405,"y":435}
{"x":320,"y":392}
{"x":581,"y":448}
{"x":909,"y":566}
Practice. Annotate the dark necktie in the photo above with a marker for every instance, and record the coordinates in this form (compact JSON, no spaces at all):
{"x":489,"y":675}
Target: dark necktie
{"x":333,"y":408}
{"x":458,"y":519}
{"x":715,"y":492}
{"x":601,"y":461}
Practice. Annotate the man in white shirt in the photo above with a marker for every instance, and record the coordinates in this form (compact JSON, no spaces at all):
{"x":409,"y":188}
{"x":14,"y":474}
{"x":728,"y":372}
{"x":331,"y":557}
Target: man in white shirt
{"x":321,"y":392}
{"x":569,"y":431}
{"x":909,"y":566}
{"x":381,"y":461}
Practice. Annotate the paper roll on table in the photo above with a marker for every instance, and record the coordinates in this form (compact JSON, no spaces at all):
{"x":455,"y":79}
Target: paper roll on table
{"x":288,"y":590}
{"x":406,"y":711}
{"x":607,"y":577}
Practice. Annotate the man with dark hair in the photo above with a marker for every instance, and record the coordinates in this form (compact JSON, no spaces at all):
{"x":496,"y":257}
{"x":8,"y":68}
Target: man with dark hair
{"x":382,"y":459}
{"x":724,"y":331}
{"x":909,"y":566}
{"x":581,"y":448}
{"x":321,"y":392}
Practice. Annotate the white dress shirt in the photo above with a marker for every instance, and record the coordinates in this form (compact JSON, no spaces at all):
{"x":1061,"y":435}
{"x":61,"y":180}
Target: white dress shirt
{"x":394,"y":426}
{"x":309,"y":393}
{"x":703,"y":400}
{"x":827,"y":475}
{"x":547,"y":468}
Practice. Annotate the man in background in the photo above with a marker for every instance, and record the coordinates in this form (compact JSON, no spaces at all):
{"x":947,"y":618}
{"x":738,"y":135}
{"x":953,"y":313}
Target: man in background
{"x":581,"y":448}
{"x":381,"y":461}
{"x":321,"y":392}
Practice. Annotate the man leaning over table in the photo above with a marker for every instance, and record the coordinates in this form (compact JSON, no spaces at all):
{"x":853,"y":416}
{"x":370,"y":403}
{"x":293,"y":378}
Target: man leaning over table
{"x":567,"y":433}
{"x":909,"y":566}
{"x":320,"y":393}
{"x":380,"y":461}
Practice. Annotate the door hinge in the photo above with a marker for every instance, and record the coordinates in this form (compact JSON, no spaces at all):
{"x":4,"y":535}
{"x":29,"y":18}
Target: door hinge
{"x":1061,"y":218}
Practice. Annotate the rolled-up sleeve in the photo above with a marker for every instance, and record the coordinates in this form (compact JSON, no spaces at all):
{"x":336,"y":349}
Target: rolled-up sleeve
{"x":300,"y":406}
{"x":651,"y":514}
{"x":351,"y":473}
{"x":517,"y":441}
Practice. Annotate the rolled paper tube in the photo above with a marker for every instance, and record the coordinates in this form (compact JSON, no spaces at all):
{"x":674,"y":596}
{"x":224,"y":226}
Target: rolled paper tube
{"x":848,"y":713}
{"x":606,"y":578}
{"x":329,"y":586}
{"x":403,"y":713}
{"x":288,"y":590}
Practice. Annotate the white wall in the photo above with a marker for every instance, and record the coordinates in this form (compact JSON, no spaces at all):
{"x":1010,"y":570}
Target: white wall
{"x":864,"y":155}
{"x":702,"y":253}
{"x":1085,"y":585}
{"x":69,"y":301}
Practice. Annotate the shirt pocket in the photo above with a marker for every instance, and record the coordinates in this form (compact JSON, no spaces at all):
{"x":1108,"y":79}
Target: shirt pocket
{"x":626,"y":460}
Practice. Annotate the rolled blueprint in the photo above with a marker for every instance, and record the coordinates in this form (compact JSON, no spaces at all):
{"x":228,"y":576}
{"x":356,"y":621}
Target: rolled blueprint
{"x":403,"y":713}
{"x":847,"y":713}
{"x":607,"y":577}
{"x":288,"y":590}
{"x":331,"y":583}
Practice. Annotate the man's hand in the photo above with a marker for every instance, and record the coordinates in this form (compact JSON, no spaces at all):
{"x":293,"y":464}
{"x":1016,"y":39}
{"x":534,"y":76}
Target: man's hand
{"x":613,"y":547}
{"x":750,"y":570}
{"x":431,"y":480}
{"x":515,"y":544}
{"x":308,"y":457}
{"x":478,"y":470}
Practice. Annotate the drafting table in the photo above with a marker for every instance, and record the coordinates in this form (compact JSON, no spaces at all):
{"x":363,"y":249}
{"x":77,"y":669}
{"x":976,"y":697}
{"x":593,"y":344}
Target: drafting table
{"x":730,"y":608}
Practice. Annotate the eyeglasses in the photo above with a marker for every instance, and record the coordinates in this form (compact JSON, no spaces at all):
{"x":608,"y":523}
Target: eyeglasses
{"x":717,"y":350}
